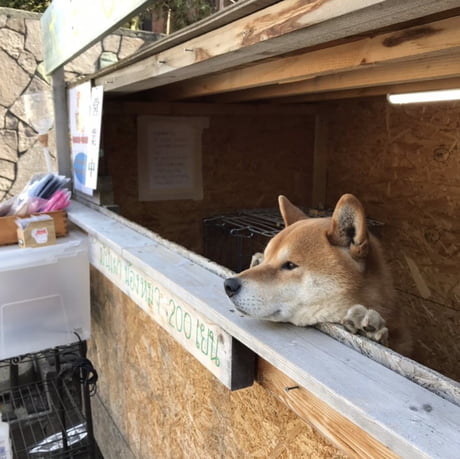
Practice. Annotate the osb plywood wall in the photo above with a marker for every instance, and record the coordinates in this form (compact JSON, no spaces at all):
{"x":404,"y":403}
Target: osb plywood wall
{"x":403,"y":162}
{"x":248,"y":161}
{"x":155,"y":400}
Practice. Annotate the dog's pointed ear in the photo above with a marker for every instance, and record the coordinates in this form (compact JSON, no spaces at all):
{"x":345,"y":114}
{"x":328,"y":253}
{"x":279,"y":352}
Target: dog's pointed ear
{"x":289,"y":211}
{"x":348,"y":226}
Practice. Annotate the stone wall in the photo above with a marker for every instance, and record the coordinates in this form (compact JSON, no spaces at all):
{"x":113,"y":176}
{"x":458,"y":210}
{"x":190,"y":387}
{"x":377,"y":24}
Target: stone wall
{"x":21,"y":70}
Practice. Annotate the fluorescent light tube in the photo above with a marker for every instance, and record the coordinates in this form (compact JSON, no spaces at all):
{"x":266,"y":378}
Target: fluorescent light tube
{"x":425,"y":96}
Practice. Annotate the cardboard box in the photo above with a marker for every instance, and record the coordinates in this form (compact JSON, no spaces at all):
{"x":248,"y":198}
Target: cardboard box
{"x":8,"y":228}
{"x":36,"y":231}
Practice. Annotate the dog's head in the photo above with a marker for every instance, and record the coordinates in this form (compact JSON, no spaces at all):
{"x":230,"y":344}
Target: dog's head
{"x":310,"y":271}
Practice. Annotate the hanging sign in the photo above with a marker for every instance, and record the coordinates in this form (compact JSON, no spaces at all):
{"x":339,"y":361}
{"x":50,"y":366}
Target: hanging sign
{"x":70,"y":26}
{"x":85,"y":115}
{"x":169,"y":157}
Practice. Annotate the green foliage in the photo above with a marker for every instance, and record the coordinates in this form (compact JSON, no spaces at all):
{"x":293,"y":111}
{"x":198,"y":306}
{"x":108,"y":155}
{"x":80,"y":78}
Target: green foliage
{"x":183,"y":12}
{"x":38,"y":6}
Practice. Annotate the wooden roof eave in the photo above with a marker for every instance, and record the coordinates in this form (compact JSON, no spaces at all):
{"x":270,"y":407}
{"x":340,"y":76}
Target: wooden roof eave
{"x":277,"y":29}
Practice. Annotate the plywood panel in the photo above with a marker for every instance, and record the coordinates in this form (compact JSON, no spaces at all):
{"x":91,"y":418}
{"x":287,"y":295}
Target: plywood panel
{"x":165,"y":404}
{"x":247,"y":161}
{"x":403,"y":162}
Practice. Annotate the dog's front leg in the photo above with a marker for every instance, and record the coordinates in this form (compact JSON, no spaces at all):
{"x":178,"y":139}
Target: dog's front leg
{"x":367,"y":322}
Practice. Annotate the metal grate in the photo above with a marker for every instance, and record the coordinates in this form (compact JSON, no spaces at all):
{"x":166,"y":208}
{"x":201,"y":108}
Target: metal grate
{"x":45,"y":421}
{"x":49,"y":414}
{"x":232,"y":239}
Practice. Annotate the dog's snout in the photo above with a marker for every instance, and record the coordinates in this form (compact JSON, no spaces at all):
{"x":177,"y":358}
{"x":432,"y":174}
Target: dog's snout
{"x":232,"y":285}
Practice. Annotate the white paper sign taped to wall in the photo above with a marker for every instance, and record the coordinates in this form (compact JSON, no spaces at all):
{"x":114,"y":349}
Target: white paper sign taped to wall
{"x":85,"y":115}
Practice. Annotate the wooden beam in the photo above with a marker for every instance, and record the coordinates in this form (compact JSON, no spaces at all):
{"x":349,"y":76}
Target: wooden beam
{"x":391,"y":75}
{"x":281,"y":28}
{"x":437,"y":38}
{"x":330,"y":423}
{"x":61,"y":123}
{"x":118,"y":108}
{"x":431,"y":85}
{"x":409,"y":419}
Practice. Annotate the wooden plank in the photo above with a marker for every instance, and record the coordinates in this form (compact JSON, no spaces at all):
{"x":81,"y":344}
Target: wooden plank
{"x":334,"y":426}
{"x":61,"y":123}
{"x":223,"y":356}
{"x":227,"y":359}
{"x":441,"y":67}
{"x":199,"y":109}
{"x":80,"y":26}
{"x":406,"y":418}
{"x":435,"y":382}
{"x":220,"y":18}
{"x":449,"y":83}
{"x":284,"y":27}
{"x":440,"y":37}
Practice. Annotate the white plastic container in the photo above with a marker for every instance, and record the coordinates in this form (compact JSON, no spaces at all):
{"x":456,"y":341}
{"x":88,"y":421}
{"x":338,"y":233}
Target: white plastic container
{"x":5,"y":443}
{"x":44,"y":296}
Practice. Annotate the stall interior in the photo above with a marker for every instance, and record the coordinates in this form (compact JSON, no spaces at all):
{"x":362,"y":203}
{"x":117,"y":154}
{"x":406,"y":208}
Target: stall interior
{"x":204,"y":129}
{"x":401,"y":161}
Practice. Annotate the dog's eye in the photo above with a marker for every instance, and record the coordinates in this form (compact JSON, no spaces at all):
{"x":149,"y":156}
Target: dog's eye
{"x":289,"y":266}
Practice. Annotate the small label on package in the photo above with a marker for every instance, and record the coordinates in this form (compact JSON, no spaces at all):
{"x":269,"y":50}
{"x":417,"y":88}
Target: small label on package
{"x":36,"y":231}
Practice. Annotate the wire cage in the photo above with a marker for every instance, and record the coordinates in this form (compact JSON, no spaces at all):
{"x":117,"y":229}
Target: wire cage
{"x":231,"y":240}
{"x":46,"y":403}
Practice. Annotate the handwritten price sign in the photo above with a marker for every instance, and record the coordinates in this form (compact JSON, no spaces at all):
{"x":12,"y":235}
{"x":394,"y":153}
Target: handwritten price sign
{"x":207,"y":342}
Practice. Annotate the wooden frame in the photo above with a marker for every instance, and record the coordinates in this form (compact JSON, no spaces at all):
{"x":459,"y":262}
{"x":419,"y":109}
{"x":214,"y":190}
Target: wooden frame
{"x":371,"y":409}
{"x":341,"y":388}
{"x":419,"y":53}
{"x":278,"y":29}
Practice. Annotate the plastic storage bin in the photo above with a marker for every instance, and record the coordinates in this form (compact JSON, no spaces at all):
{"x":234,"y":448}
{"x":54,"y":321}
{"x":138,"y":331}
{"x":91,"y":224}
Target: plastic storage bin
{"x":44,"y":296}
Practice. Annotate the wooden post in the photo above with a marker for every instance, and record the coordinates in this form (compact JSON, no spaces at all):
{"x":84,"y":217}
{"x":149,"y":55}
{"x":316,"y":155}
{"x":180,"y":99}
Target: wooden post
{"x":61,"y":123}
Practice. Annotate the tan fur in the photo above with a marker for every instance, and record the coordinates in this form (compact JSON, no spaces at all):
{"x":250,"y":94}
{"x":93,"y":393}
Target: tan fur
{"x":317,"y":269}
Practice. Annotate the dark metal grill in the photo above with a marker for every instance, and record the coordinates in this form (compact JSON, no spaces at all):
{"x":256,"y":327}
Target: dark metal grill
{"x":48,"y":410}
{"x":231,"y":240}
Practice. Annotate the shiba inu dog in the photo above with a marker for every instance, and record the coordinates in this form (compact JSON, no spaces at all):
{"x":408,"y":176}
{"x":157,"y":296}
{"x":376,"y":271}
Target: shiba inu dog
{"x":323,"y":270}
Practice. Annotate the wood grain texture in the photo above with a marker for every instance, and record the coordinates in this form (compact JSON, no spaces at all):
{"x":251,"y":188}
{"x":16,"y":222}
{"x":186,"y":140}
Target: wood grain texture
{"x":8,"y":227}
{"x":393,"y":74}
{"x":243,"y":40}
{"x":403,"y":163}
{"x":410,"y":369}
{"x":409,"y":419}
{"x":278,"y":29}
{"x":157,"y":398}
{"x":239,"y":153}
{"x":413,"y":43}
{"x":335,"y":427}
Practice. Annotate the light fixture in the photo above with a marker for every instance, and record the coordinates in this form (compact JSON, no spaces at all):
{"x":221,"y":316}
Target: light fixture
{"x":425,"y":96}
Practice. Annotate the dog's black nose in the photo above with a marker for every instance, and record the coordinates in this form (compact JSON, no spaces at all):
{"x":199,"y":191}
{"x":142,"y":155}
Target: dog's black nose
{"x":232,"y":286}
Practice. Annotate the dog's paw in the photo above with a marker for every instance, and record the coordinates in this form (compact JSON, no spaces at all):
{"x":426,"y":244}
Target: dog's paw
{"x":256,"y":259}
{"x":367,"y":322}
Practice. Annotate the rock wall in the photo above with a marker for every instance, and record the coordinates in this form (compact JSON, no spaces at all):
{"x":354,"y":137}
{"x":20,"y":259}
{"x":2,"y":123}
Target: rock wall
{"x":21,"y":70}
